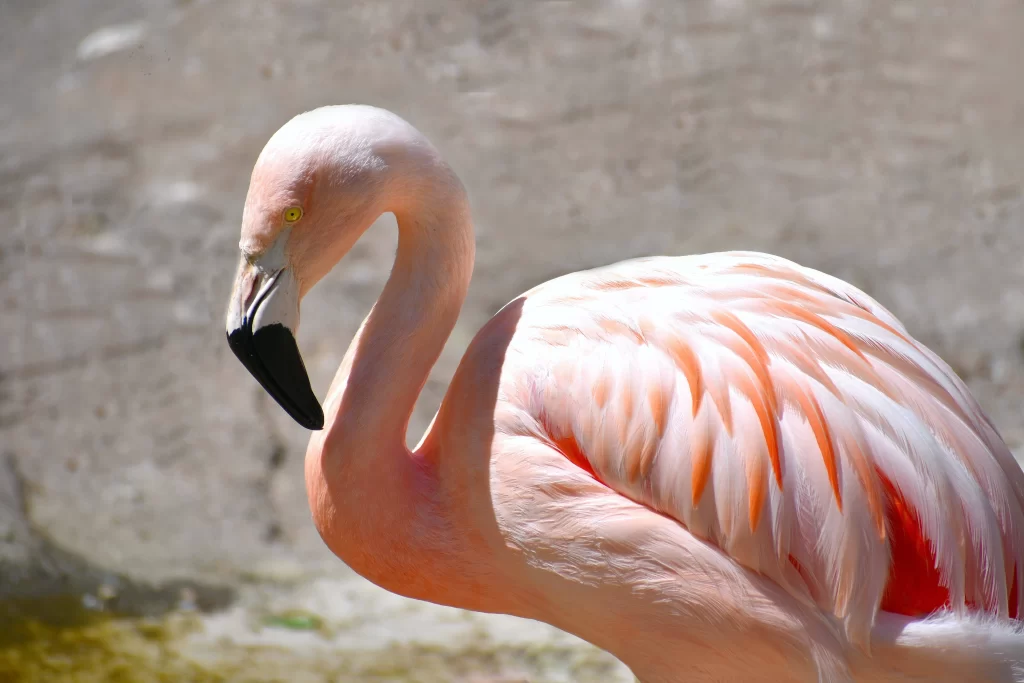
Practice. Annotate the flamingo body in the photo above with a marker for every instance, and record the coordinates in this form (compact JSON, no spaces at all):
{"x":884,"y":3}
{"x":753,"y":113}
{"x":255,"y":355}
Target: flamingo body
{"x":714,"y":467}
{"x":782,"y":415}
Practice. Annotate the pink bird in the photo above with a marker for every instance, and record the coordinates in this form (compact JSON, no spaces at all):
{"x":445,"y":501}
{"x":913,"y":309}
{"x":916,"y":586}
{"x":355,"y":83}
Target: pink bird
{"x":725,"y":467}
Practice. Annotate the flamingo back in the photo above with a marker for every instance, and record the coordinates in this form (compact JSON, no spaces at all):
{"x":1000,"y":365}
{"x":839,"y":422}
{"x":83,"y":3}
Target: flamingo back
{"x":785,"y":417}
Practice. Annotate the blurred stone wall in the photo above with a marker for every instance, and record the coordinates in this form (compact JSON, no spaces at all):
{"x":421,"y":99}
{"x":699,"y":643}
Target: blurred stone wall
{"x":882,"y":142}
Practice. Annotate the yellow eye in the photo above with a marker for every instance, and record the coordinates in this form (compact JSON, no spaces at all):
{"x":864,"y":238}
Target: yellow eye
{"x":293,"y":214}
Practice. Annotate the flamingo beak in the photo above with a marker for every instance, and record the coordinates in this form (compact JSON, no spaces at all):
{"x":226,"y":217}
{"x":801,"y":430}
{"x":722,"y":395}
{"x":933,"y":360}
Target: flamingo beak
{"x":263,"y":316}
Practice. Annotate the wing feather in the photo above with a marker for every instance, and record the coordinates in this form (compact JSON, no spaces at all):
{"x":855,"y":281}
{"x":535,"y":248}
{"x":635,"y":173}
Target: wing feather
{"x":786,"y":417}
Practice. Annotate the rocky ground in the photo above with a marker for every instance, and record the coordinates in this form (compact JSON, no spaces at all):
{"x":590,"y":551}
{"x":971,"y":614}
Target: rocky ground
{"x":141,"y":468}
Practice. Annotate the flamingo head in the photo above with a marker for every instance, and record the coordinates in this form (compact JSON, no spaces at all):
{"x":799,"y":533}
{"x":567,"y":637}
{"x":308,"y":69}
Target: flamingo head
{"x":316,"y":187}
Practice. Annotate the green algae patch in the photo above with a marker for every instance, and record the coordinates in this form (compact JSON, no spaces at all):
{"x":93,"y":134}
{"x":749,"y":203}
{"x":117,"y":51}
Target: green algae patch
{"x":150,"y":651}
{"x":26,"y":619}
{"x":85,"y":646}
{"x":62,"y":639}
{"x":294,"y":620}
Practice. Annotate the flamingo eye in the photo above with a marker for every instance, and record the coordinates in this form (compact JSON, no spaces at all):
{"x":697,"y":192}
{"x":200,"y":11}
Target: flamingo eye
{"x":293,"y":214}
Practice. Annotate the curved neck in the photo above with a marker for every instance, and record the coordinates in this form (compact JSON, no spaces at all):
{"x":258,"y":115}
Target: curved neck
{"x":374,"y":502}
{"x":392,"y":354}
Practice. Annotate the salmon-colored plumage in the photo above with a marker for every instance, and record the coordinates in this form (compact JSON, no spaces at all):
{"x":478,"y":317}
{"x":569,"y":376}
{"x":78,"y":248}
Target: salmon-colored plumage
{"x":601,"y":391}
{"x":701,"y":449}
{"x":658,"y":403}
{"x":718,"y":467}
{"x":819,"y":426}
{"x":687,"y":362}
{"x":818,"y":321}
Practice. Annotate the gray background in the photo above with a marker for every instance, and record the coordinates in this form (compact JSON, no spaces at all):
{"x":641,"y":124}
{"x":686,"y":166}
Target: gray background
{"x":882,"y":142}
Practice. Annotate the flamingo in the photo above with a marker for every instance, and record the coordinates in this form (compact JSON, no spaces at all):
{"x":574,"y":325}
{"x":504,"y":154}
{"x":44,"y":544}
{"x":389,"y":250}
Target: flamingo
{"x":717,"y":467}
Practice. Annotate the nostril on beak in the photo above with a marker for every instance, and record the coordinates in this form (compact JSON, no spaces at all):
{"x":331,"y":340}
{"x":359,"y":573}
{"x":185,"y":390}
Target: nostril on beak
{"x":249,"y":291}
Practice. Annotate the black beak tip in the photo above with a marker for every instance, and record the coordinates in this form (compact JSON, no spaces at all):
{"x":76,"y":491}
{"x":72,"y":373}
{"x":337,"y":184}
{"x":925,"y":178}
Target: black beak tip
{"x":272,"y":357}
{"x":314,"y":421}
{"x":238,"y":341}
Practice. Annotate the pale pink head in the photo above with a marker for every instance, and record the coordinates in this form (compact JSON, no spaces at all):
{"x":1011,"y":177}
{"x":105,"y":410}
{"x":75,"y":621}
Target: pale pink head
{"x":319,"y":183}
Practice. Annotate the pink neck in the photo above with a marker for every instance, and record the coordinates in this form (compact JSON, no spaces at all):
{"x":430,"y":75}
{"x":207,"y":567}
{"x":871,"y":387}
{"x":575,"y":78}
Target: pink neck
{"x":374,"y":502}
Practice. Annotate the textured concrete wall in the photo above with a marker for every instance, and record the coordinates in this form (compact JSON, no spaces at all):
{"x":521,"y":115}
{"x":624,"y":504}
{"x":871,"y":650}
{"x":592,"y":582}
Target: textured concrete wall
{"x":882,"y":142}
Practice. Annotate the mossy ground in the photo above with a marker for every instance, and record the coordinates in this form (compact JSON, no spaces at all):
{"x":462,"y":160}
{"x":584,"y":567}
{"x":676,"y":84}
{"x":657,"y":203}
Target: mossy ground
{"x":58,"y":640}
